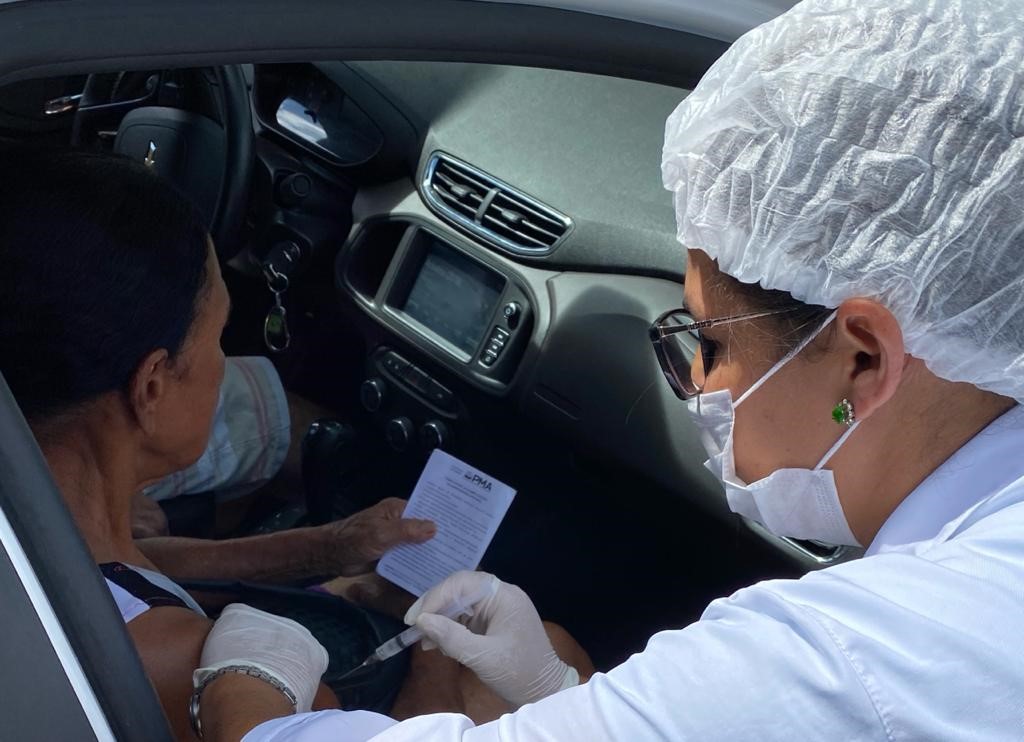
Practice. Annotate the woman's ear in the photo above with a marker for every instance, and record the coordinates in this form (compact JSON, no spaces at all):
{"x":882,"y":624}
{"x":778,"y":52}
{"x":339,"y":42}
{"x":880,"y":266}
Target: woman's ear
{"x":148,"y":388}
{"x":871,"y":339}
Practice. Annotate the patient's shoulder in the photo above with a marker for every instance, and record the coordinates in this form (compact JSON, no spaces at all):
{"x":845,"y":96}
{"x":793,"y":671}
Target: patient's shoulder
{"x":170,"y":642}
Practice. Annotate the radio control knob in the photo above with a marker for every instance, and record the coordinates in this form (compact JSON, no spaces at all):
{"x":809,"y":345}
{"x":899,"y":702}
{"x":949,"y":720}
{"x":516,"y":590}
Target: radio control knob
{"x":434,"y":434}
{"x":512,"y":311}
{"x":371,"y":394}
{"x":399,"y":432}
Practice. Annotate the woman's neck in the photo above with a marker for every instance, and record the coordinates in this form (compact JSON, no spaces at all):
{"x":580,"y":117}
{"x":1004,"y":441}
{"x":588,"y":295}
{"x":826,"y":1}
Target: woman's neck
{"x":917,"y":439}
{"x":94,"y":463}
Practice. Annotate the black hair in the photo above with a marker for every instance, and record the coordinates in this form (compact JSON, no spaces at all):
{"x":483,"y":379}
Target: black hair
{"x":101,"y":263}
{"x":790,"y":327}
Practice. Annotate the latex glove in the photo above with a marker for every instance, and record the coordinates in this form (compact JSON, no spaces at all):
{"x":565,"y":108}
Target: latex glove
{"x":278,"y":646}
{"x":504,"y":642}
{"x":358,"y":541}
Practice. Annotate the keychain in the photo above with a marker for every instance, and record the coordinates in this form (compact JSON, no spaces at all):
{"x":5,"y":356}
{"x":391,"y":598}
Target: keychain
{"x":276,"y":334}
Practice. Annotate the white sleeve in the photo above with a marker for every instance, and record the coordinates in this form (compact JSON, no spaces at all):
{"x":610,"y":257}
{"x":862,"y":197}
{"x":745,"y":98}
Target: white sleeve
{"x":755,"y":667}
{"x":321,"y":726}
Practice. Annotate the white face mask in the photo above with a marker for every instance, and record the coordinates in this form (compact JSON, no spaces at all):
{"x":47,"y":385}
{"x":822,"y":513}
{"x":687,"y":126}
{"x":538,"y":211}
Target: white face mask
{"x":798,"y":503}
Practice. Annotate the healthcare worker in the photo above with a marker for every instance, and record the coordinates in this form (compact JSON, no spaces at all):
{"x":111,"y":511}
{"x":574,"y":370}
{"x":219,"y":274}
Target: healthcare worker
{"x":849,"y":185}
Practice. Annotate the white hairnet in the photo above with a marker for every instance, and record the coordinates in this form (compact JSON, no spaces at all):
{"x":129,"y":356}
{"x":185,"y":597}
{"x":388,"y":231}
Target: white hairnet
{"x":871,"y":148}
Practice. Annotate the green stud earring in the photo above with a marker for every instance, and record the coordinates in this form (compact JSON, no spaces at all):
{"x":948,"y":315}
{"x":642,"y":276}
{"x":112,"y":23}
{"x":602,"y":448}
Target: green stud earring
{"x":842,"y":413}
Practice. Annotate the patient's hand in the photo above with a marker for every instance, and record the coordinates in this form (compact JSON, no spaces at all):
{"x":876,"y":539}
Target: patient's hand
{"x":372,"y":591}
{"x":358,"y":541}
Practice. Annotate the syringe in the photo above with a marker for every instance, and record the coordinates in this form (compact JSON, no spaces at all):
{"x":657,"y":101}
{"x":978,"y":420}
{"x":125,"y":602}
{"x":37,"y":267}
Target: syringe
{"x":413,"y":634}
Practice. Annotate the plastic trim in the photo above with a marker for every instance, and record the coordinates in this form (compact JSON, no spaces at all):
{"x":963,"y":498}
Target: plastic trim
{"x":58,"y":639}
{"x":479,"y":230}
{"x":812,"y":559}
{"x":42,"y":39}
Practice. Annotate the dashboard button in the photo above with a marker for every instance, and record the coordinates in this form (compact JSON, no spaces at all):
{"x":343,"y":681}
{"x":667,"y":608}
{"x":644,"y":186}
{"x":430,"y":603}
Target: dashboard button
{"x":511,"y":312}
{"x":371,"y":394}
{"x":434,"y":434}
{"x":417,"y":379}
{"x":399,"y":432}
{"x":394,"y":363}
{"x":440,"y":396}
{"x":293,"y":189}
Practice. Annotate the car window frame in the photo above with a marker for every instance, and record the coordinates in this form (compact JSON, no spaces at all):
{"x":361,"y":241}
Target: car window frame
{"x":64,"y":602}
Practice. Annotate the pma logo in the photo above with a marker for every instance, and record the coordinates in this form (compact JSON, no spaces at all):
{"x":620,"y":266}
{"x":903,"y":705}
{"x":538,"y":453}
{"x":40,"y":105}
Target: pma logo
{"x":484,"y":484}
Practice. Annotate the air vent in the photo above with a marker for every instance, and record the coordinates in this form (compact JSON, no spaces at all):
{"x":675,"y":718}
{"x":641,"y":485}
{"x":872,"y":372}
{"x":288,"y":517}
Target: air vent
{"x":490,"y":209}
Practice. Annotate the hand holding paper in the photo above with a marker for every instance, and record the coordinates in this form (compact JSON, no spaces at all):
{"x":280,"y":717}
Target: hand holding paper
{"x":466,"y":505}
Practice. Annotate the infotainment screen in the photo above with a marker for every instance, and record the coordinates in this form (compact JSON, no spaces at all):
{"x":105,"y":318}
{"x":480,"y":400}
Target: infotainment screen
{"x":454,"y":296}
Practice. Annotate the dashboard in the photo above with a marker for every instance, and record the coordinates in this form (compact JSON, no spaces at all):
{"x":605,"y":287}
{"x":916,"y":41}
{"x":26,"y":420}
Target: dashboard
{"x":307,"y":107}
{"x":511,"y":237}
{"x":533,"y":129}
{"x":474,"y":314}
{"x":454,"y":298}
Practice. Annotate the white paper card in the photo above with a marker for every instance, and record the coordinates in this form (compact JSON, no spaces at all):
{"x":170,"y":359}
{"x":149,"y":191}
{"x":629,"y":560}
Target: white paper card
{"x":467,"y":506}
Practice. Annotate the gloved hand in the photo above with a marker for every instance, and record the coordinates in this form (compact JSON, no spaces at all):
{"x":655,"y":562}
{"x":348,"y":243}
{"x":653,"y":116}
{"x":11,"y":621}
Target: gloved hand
{"x":505,"y":643}
{"x":278,"y":646}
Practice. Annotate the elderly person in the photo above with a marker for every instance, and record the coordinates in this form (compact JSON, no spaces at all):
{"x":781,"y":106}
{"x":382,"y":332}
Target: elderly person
{"x":113,"y":307}
{"x":848,"y":182}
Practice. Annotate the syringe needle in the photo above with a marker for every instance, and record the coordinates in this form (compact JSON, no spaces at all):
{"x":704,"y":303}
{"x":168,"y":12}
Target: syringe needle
{"x":413,"y":634}
{"x":366,"y":663}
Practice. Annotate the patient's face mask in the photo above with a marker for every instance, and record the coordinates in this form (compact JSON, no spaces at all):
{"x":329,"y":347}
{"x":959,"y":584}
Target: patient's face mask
{"x":798,"y":503}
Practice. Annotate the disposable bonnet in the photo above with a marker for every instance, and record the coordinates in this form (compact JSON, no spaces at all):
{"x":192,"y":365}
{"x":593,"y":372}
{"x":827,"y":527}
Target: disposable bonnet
{"x":871,"y":148}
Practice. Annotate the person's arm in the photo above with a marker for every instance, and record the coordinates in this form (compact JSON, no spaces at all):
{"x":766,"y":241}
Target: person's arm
{"x":504,"y":614}
{"x":233,"y":704}
{"x":756,"y":667}
{"x":274,"y":557}
{"x":170,"y":642}
{"x":348,"y":546}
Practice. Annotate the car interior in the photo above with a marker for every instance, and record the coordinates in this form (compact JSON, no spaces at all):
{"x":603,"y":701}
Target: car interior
{"x":462,"y":255}
{"x":453,"y":255}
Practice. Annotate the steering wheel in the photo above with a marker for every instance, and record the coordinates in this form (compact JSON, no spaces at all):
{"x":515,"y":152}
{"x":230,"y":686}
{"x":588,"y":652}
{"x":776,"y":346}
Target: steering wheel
{"x":211,"y":163}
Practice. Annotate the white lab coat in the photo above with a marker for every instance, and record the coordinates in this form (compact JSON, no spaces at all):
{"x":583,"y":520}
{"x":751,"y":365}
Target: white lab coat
{"x":923,"y":639}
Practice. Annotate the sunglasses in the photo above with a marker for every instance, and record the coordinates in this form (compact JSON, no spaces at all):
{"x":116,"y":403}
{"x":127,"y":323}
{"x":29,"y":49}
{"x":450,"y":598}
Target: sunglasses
{"x":682,"y":349}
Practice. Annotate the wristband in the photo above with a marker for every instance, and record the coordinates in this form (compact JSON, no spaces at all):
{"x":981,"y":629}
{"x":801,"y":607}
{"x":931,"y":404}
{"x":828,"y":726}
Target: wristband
{"x":204,"y":678}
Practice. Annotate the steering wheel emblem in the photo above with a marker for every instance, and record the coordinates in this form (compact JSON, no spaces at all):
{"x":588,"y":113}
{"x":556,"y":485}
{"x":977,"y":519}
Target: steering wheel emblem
{"x":150,"y":159}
